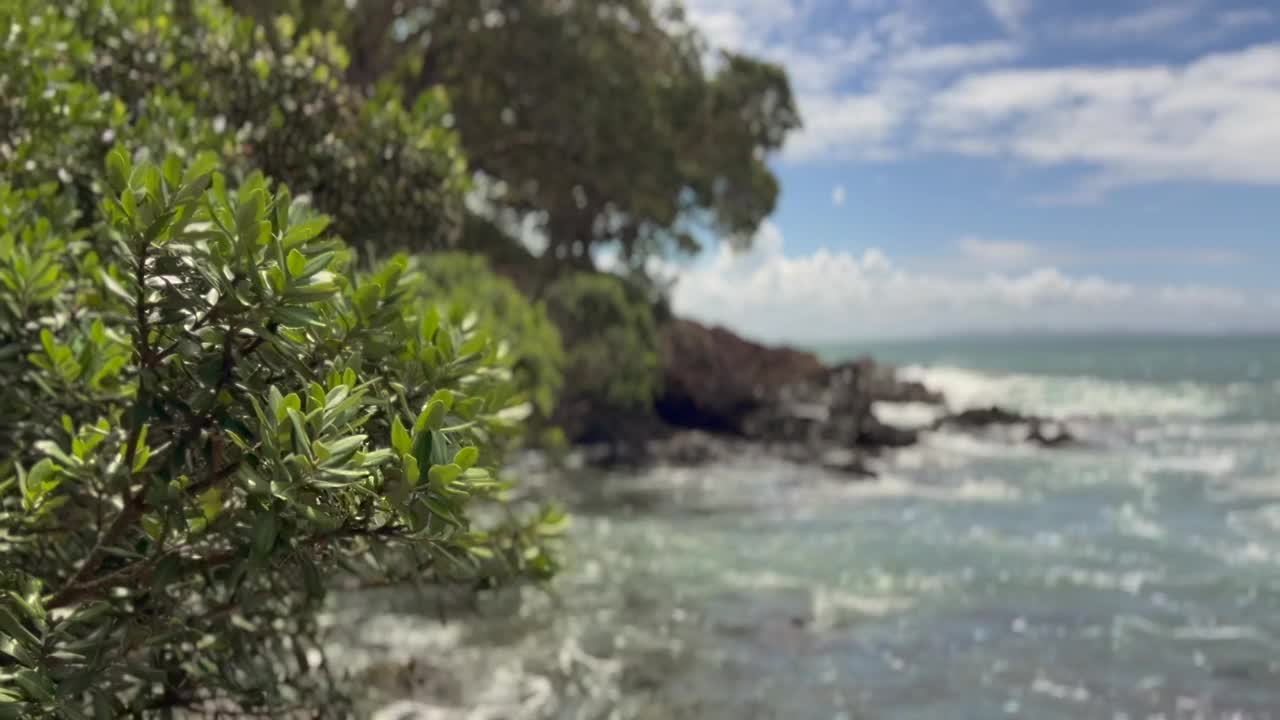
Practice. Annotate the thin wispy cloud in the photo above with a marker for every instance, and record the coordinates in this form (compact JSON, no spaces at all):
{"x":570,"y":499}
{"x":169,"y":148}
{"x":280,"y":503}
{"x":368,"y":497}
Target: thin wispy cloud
{"x":1009,"y":13}
{"x":996,"y":252}
{"x":1245,"y":18}
{"x":1153,"y":21}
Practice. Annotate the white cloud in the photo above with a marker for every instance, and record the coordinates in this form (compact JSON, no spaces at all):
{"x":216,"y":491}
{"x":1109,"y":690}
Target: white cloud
{"x":828,"y":295}
{"x":838,"y":195}
{"x":1245,"y":18}
{"x":1212,"y":119}
{"x":1203,"y":297}
{"x":957,"y":56}
{"x":853,"y":124}
{"x":1009,"y":13}
{"x":996,"y":252}
{"x":740,"y":24}
{"x":884,"y":92}
{"x":1155,"y":20}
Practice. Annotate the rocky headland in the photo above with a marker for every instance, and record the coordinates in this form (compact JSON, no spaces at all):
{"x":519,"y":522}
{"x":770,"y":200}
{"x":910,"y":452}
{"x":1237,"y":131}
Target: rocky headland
{"x":724,"y":396}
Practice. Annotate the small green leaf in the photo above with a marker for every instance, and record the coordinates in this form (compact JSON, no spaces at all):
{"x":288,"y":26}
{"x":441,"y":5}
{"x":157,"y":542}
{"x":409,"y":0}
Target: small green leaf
{"x":301,"y":443}
{"x":400,"y":439}
{"x":35,"y":685}
{"x":342,"y":450}
{"x":211,"y":503}
{"x":264,"y":534}
{"x":297,"y":262}
{"x":247,"y":217}
{"x":11,"y":627}
{"x":411,"y":471}
{"x":304,"y":231}
{"x":441,"y":475}
{"x":466,"y":457}
{"x":204,"y":164}
{"x":445,"y":397}
{"x":118,"y":170}
{"x":431,"y":418}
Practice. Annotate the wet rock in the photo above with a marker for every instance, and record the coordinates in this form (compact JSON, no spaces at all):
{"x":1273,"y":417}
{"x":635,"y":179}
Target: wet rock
{"x":1043,"y":432}
{"x":983,"y":417}
{"x":687,"y":448}
{"x":713,"y":379}
{"x":725,"y":387}
{"x":875,"y":434}
{"x":1048,"y":434}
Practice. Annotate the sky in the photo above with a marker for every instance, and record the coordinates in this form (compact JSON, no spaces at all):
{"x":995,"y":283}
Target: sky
{"x":1009,"y":166}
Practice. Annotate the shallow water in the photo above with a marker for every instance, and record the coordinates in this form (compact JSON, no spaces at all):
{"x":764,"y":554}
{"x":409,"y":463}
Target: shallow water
{"x":1136,"y":577}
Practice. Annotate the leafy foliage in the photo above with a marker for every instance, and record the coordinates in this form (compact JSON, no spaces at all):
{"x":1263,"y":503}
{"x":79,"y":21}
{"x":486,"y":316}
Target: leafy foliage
{"x":608,"y":120}
{"x":610,"y":339}
{"x":210,"y":406}
{"x":470,"y":286}
{"x":180,"y":76}
{"x":206,"y":419}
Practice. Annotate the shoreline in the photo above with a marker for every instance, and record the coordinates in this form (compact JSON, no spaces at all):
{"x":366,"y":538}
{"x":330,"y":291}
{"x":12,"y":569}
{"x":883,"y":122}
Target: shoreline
{"x":723,"y":394}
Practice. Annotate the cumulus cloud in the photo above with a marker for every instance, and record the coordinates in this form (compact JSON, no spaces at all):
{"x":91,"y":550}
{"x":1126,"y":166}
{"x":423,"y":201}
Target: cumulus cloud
{"x":831,"y":295}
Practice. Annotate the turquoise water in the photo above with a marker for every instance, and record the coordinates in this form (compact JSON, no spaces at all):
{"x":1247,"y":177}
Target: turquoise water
{"x":1135,"y":577}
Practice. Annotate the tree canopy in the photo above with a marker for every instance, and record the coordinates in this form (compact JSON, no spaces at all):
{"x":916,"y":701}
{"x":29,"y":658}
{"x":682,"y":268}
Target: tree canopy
{"x":610,"y":122}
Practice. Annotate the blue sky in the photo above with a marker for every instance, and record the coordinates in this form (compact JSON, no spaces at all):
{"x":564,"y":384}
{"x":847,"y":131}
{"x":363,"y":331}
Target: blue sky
{"x":1002,"y":165}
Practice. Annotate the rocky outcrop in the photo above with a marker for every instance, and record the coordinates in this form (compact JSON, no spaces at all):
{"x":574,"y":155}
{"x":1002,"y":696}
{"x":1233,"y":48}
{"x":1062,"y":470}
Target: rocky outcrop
{"x":714,"y":380}
{"x":1040,"y":431}
{"x":776,"y":397}
{"x":981,"y":418}
{"x":724,"y":394}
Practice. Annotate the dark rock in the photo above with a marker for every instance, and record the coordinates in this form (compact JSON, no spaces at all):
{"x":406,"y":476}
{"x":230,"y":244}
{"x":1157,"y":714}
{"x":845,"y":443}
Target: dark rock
{"x":737,"y":395}
{"x":713,"y":379}
{"x":1040,"y":431}
{"x":983,"y":417}
{"x":880,"y":383}
{"x":875,"y":434}
{"x":687,"y":448}
{"x":1048,"y":434}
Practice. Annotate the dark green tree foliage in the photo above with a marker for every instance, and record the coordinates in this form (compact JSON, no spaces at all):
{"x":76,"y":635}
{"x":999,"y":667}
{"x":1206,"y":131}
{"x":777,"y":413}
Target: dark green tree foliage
{"x":185,"y":75}
{"x":600,"y":116}
{"x":611,"y":340}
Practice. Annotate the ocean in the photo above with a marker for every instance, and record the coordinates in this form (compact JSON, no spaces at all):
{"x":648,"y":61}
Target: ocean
{"x":1134,"y":576}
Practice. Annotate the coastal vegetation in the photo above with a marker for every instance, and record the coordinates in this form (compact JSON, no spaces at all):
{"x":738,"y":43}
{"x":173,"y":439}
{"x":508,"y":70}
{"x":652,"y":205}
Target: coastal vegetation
{"x":281,"y":284}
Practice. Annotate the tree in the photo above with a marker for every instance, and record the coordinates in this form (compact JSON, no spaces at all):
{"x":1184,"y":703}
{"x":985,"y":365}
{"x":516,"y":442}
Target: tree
{"x":187,"y":75}
{"x":607,"y":120}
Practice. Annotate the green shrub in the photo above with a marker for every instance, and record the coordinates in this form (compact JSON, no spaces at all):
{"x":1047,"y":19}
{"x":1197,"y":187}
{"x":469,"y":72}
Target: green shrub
{"x":468,"y":283}
{"x":610,"y":341}
{"x":204,"y":417}
{"x":209,"y":405}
